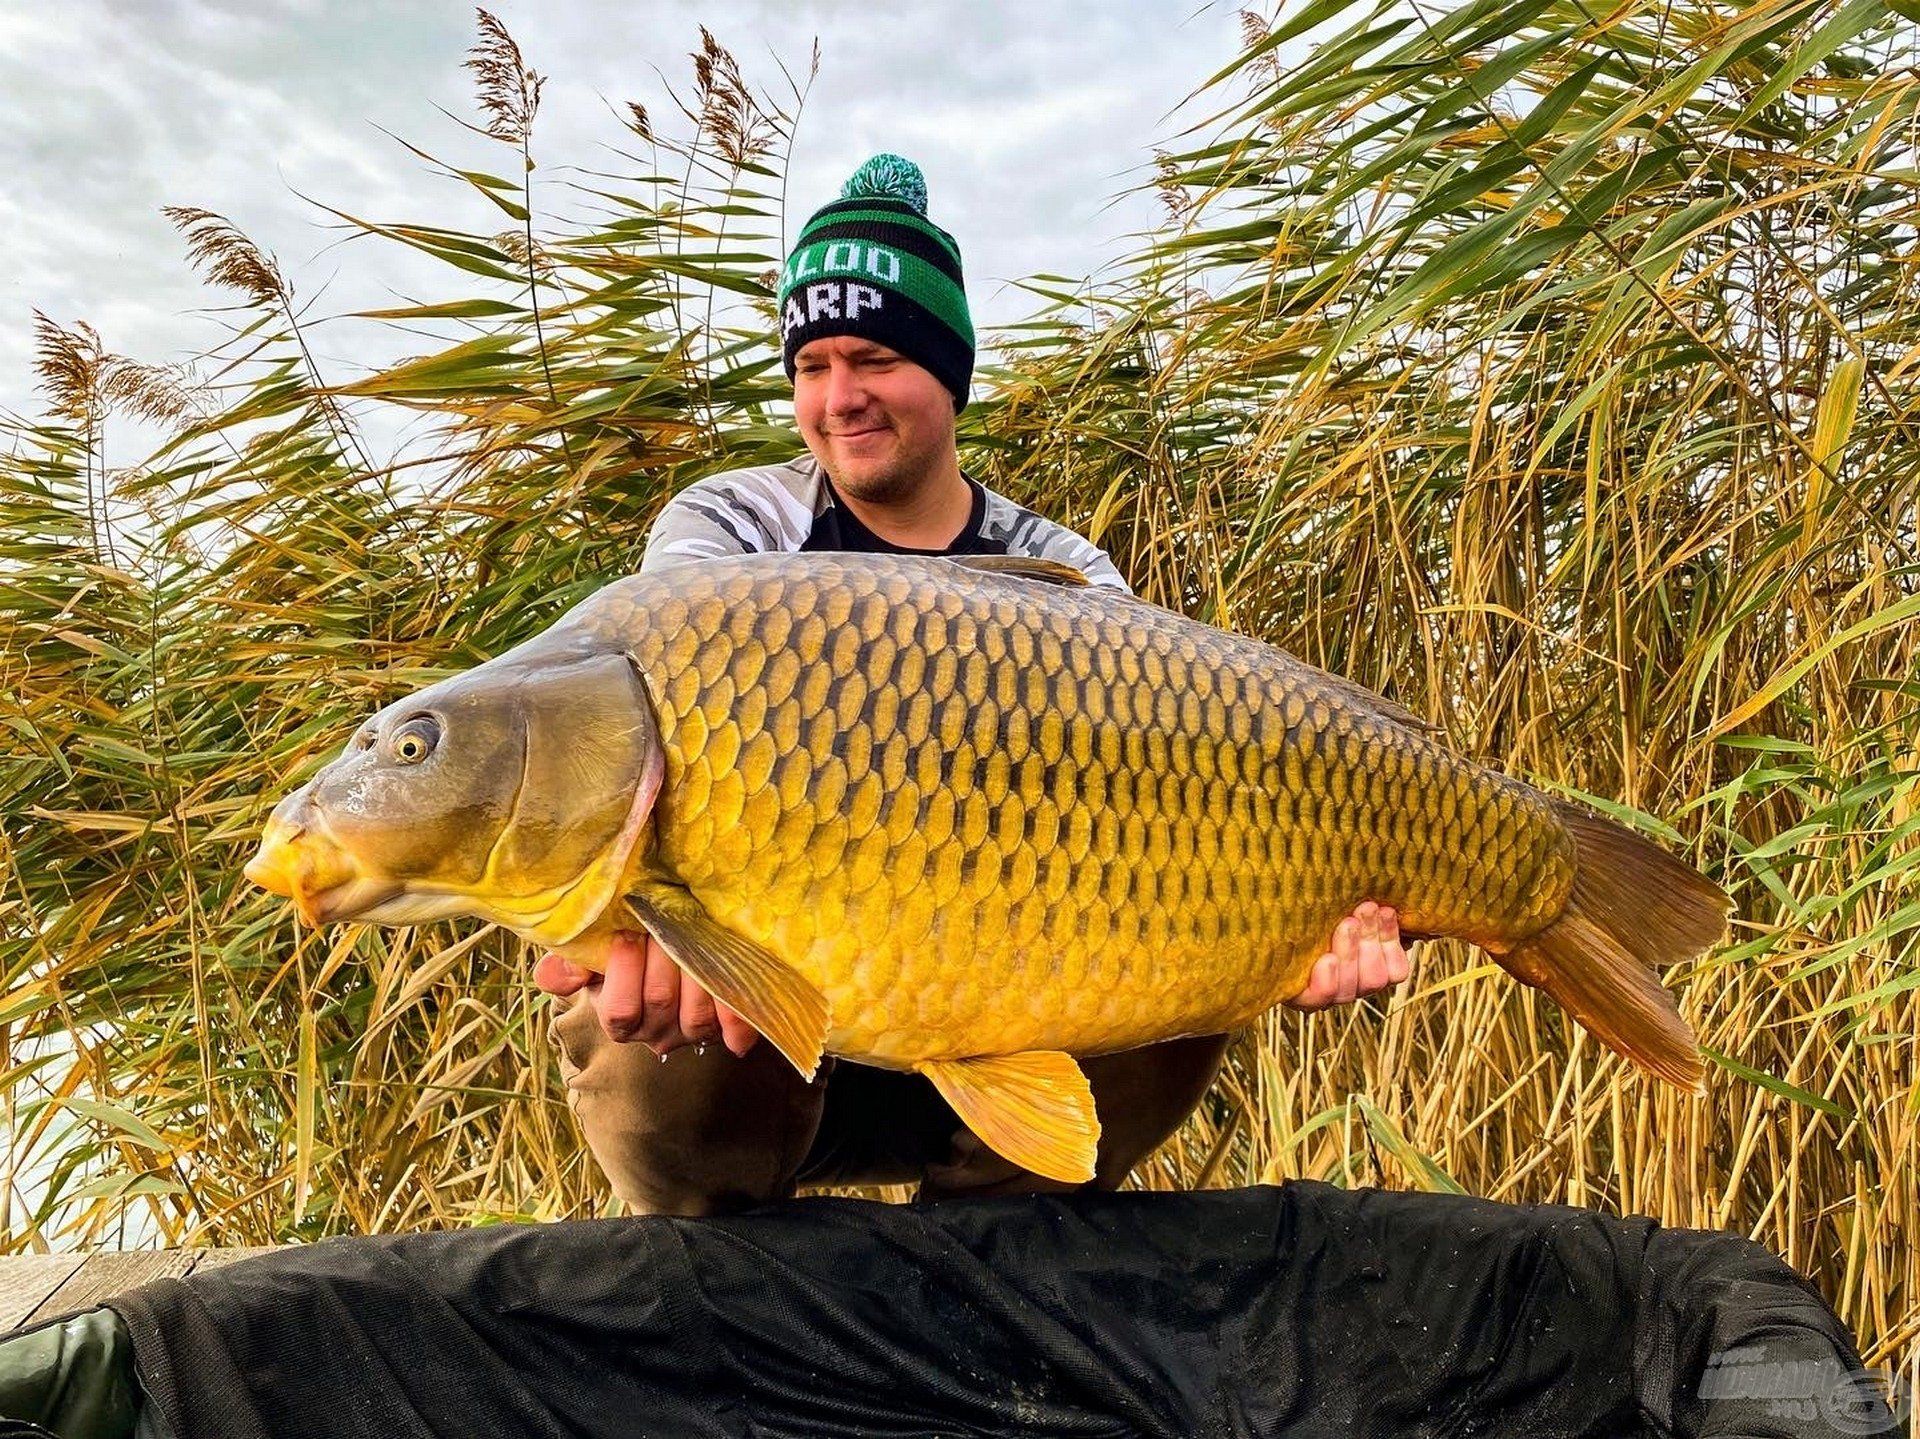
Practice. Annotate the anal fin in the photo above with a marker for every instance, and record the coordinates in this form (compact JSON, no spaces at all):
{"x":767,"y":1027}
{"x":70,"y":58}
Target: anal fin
{"x":1034,"y":1108}
{"x":774,"y":998}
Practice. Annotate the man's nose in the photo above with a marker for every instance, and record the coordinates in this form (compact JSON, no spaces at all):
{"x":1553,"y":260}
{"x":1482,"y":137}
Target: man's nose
{"x":845,"y":393}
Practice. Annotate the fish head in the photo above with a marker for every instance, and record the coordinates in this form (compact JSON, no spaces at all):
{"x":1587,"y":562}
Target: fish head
{"x":516,"y":792}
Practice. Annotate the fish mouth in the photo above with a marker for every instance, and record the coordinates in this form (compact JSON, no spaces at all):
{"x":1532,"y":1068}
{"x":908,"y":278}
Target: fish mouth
{"x":299,"y":860}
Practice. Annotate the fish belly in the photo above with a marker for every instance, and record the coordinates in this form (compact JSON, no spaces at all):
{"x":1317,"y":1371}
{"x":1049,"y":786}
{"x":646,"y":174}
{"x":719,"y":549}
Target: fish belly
{"x":986,"y":814}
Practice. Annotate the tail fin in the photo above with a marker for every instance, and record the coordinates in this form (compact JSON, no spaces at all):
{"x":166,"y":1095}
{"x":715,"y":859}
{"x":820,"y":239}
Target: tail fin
{"x":1634,"y":910}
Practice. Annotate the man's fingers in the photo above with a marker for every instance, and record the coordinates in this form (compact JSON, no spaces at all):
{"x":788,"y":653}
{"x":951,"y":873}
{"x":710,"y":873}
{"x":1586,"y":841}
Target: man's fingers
{"x":1349,"y":985}
{"x":659,"y":1025}
{"x":1370,"y":969}
{"x":735,"y":1032}
{"x":558,"y":975}
{"x":1321,"y":985}
{"x":1326,"y":978}
{"x":622,"y":997}
{"x":1399,"y":963}
{"x":699,"y":1020}
{"x":1346,"y":953}
{"x":1346,"y":940}
{"x":1365,"y":957}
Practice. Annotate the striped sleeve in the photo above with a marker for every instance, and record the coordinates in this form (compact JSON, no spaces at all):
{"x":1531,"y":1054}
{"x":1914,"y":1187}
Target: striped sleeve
{"x":740,"y":512}
{"x":1025,"y":533}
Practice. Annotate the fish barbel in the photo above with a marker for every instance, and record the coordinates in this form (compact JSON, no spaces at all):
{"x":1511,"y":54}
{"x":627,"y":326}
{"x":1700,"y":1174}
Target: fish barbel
{"x":970,"y":817}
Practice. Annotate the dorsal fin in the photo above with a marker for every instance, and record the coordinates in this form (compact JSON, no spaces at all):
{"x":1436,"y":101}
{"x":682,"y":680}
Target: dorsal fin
{"x":1023,"y":567}
{"x":1054,"y":572}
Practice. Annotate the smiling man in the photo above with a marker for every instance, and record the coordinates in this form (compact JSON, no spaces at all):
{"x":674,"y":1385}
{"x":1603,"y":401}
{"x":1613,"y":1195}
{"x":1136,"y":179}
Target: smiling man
{"x":877,"y":340}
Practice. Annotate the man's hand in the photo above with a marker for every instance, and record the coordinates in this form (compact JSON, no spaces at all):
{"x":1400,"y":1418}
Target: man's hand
{"x":644,"y":996}
{"x":1367,"y":956}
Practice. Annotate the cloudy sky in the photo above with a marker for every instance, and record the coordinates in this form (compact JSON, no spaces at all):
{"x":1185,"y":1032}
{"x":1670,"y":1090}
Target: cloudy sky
{"x":1029,"y":118}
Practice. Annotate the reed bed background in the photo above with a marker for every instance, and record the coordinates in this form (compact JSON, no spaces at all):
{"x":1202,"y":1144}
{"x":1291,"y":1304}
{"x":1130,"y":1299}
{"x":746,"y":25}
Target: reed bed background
{"x":1551,"y":368}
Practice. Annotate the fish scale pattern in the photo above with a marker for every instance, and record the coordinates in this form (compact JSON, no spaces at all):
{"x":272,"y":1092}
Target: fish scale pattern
{"x":987,"y":814}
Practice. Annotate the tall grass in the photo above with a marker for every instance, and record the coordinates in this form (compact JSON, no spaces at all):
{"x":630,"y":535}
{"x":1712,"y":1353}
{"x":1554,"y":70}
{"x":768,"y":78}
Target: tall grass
{"x":1548,"y":368}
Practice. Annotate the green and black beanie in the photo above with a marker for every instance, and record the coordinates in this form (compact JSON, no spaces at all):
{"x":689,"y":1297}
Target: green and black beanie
{"x":872,"y":264}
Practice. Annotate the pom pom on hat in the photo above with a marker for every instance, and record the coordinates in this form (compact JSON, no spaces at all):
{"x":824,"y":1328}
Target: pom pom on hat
{"x":890,"y":177}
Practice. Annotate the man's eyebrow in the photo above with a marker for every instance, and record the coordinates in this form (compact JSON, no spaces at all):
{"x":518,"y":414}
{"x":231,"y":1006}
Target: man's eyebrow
{"x":863,"y":350}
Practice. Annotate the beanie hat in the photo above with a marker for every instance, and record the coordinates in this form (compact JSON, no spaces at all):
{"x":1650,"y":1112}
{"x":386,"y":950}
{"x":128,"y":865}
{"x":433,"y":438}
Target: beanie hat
{"x":872,"y":264}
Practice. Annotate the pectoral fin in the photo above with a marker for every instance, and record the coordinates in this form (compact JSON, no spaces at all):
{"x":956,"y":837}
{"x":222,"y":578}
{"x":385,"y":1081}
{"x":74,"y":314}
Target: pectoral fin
{"x":771,"y":996}
{"x":1034,"y":1108}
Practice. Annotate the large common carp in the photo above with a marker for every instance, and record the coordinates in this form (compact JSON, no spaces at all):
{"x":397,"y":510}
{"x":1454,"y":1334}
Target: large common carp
{"x":969,"y":817}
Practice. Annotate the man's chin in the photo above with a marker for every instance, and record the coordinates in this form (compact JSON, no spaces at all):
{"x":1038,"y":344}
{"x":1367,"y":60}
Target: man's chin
{"x":872,"y":481}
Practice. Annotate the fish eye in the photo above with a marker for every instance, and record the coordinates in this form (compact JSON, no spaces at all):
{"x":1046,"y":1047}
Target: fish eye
{"x":415,"y":739}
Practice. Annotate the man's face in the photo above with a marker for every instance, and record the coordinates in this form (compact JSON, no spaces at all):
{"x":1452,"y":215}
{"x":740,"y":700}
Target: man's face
{"x":879,"y":424}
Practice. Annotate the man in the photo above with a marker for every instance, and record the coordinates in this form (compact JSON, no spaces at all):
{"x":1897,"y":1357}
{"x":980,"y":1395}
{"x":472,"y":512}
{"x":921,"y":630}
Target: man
{"x":878,"y":343}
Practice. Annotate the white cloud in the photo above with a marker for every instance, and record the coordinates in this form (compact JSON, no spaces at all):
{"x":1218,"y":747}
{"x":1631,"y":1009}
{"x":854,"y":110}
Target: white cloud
{"x":1027,"y":119}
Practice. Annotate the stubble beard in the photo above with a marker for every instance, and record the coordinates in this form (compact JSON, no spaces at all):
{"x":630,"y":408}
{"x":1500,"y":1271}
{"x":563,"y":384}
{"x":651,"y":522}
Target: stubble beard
{"x":891,"y":484}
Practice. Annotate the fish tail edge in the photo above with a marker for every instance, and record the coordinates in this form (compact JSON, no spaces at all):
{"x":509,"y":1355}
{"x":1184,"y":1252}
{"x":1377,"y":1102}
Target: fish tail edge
{"x":1634,"y":910}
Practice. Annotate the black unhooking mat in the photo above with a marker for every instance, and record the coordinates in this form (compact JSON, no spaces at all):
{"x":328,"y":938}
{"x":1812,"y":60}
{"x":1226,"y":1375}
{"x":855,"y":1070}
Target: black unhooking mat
{"x":1302,"y":1310}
